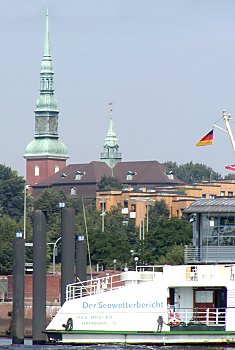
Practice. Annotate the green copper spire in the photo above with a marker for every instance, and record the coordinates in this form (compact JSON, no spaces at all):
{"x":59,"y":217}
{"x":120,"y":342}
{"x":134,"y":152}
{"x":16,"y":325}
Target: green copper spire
{"x":46,"y":100}
{"x":110,"y":154}
{"x":46,"y":141}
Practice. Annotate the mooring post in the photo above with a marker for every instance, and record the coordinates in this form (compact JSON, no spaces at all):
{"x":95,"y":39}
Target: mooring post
{"x":67,"y":249}
{"x":17,"y":323}
{"x":39,"y":277}
{"x":81,"y":258}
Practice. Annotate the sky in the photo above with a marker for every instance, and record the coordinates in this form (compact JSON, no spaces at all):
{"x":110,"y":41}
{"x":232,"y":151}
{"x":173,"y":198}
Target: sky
{"x":168,"y":66}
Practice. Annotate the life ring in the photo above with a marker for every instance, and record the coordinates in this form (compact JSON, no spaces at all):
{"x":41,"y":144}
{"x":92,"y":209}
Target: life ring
{"x":69,"y":325}
{"x":174,"y":318}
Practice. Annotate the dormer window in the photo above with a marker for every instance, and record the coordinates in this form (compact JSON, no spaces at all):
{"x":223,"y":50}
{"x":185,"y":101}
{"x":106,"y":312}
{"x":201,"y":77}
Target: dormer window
{"x":130,"y":174}
{"x":73,"y":191}
{"x":79,"y":175}
{"x":63,"y":176}
{"x":170,"y":175}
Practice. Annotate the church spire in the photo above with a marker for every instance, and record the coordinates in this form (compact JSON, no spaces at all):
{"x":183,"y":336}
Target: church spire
{"x":46,"y":100}
{"x":46,"y":145}
{"x":110,"y":154}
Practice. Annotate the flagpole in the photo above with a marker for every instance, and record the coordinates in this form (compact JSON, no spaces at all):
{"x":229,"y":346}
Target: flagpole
{"x":227,"y":118}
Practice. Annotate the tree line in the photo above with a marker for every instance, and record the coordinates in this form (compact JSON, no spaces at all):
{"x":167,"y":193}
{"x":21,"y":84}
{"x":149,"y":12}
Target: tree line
{"x":164,"y":242}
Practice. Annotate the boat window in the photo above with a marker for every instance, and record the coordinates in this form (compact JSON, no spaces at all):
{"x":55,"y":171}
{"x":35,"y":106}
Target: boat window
{"x":203,"y":296}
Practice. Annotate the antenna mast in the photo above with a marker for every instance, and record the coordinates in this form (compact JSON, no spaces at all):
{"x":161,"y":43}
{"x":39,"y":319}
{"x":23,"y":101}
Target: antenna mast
{"x":227,"y":119}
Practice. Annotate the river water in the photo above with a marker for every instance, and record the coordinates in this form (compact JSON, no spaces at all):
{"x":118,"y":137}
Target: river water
{"x":5,"y":344}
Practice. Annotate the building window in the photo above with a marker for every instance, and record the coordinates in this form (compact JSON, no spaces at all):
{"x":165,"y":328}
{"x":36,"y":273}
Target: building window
{"x":125,"y":204}
{"x":230,"y":194}
{"x":73,"y":191}
{"x":79,"y":175}
{"x":203,"y":195}
{"x":222,"y":193}
{"x":63,"y":176}
{"x":57,"y":168}
{"x":36,"y":170}
{"x":212,"y":196}
{"x":133,"y":207}
{"x":130,"y":174}
{"x":103,"y":206}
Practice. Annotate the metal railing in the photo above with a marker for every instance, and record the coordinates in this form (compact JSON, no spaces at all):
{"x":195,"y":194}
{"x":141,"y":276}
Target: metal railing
{"x":209,"y":254}
{"x":110,"y":282}
{"x":197,"y":316}
{"x":93,"y":286}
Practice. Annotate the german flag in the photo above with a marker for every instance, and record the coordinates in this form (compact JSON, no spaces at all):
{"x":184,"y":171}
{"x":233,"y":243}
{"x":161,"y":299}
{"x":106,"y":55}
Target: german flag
{"x":206,"y":140}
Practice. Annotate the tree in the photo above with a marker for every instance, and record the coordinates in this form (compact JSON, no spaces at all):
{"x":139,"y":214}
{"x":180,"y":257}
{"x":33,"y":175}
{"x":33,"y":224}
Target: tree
{"x":108,"y":183}
{"x":8,"y":229}
{"x":161,"y":238}
{"x":48,"y":202}
{"x":11,"y":192}
{"x":191,"y":173}
{"x":230,"y":176}
{"x":174,"y":256}
{"x":113,"y":243}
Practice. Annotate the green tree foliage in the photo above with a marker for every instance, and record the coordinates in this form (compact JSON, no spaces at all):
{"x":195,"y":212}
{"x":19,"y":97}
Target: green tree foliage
{"x":163,"y":237}
{"x":230,"y":176}
{"x":108,"y":183}
{"x":114,"y":243}
{"x":48,"y":202}
{"x":8,"y":229}
{"x":159,"y":209}
{"x":174,"y":256}
{"x":191,"y":173}
{"x":11,"y":192}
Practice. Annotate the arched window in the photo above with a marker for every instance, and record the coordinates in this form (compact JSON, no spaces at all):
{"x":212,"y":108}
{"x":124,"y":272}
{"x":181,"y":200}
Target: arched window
{"x":57,"y":168}
{"x":36,"y":170}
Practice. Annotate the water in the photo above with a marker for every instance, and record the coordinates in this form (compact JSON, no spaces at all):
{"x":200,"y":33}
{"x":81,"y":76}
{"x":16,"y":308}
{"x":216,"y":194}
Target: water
{"x":5,"y":344}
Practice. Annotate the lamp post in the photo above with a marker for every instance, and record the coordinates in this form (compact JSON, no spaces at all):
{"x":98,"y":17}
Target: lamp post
{"x":114,"y":264}
{"x":26,"y":187}
{"x":103,"y":214}
{"x":136,"y":259}
{"x":102,"y":201}
{"x":142,"y":212}
{"x":53,"y":259}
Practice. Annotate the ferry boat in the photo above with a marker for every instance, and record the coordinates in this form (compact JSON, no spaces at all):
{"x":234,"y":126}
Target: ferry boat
{"x":151,"y":305}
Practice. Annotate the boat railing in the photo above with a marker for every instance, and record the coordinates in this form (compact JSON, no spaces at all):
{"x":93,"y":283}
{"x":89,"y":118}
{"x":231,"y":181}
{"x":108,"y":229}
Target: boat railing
{"x":150,"y":268}
{"x":110,"y":282}
{"x":93,"y":286}
{"x":197,"y":316}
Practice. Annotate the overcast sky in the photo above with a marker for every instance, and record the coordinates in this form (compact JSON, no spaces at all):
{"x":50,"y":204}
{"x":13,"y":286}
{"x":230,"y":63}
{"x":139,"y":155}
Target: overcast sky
{"x":169,"y":67}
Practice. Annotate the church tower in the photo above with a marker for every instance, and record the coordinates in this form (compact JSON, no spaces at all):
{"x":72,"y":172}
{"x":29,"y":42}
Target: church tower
{"x":111,"y":155}
{"x":46,"y":154}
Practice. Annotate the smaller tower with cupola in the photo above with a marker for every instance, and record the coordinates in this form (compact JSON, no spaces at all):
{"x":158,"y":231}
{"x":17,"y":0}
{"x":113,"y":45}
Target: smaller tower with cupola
{"x":46,"y":154}
{"x":111,"y":155}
